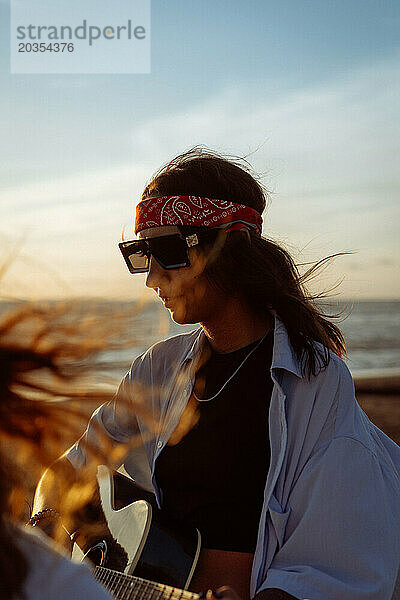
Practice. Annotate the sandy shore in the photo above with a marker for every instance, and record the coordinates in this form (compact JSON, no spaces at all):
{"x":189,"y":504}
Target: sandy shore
{"x":379,"y":396}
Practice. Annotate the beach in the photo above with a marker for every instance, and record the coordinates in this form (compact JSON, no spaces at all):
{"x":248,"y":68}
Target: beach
{"x":379,"y":396}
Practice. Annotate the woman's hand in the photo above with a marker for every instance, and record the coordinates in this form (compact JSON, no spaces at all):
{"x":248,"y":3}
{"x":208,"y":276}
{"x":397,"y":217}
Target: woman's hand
{"x":225,"y":592}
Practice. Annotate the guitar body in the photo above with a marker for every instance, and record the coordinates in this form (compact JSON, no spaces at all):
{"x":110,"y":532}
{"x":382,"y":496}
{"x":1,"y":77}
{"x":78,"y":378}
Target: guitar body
{"x":155,"y":548}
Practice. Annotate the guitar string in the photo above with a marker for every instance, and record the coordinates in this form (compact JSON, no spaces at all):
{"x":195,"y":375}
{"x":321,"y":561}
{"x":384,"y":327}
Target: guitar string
{"x":161,"y":593}
{"x":146,"y":589}
{"x":117,"y":583}
{"x":130,"y":589}
{"x":107,"y":579}
{"x":113,"y":581}
{"x":129,"y":583}
{"x":110,"y":581}
{"x":119,"y":588}
{"x":156,"y":594}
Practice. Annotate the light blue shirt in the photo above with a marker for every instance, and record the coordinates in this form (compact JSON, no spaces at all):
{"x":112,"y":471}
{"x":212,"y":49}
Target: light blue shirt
{"x":330,"y":522}
{"x":51,"y":575}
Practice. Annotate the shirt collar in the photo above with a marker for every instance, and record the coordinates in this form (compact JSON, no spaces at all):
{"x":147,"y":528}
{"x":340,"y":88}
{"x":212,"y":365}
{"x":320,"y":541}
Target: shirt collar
{"x":283,"y":356}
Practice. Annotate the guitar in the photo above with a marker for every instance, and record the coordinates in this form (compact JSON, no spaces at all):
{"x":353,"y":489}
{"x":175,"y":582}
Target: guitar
{"x":161,"y":557}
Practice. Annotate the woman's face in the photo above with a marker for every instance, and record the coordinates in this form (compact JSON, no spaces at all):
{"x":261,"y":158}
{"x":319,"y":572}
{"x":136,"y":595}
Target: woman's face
{"x":186,"y":292}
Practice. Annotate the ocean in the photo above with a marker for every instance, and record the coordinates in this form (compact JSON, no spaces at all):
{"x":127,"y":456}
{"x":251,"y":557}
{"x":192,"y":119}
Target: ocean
{"x":372,"y":334}
{"x":371,"y":330}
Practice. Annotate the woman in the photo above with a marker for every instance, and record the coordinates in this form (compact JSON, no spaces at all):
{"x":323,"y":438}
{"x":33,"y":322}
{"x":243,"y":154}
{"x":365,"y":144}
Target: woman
{"x":261,"y":443}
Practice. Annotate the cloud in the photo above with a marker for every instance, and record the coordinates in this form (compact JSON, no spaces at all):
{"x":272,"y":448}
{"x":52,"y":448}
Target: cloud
{"x":330,"y":153}
{"x":322,"y":139}
{"x":96,"y":192}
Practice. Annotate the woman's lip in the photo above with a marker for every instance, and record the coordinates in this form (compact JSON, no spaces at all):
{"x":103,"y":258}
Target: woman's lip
{"x":167,"y":300}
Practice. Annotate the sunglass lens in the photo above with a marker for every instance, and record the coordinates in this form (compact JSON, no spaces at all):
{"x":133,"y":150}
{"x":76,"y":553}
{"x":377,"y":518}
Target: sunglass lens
{"x":136,"y":256}
{"x":138,"y":261}
{"x":169,"y":251}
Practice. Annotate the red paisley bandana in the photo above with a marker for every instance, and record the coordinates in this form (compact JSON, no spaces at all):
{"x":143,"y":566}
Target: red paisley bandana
{"x":195,"y":211}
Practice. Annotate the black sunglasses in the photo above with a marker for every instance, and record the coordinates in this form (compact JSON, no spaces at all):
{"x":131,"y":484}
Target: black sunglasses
{"x":170,"y":251}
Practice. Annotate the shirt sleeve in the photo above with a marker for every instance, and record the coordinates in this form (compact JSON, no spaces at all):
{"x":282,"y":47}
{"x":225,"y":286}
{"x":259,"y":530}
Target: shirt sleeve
{"x":76,"y":582}
{"x":339,"y":534}
{"x":113,"y":422}
{"x":52,"y":575}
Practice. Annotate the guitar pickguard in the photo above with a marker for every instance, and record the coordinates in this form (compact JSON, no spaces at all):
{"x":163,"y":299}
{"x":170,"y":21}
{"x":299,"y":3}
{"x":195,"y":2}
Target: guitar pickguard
{"x":156,"y":549}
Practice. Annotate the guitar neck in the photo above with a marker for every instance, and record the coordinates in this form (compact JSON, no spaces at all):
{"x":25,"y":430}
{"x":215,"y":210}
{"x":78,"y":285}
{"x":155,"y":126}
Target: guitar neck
{"x":128,"y":587}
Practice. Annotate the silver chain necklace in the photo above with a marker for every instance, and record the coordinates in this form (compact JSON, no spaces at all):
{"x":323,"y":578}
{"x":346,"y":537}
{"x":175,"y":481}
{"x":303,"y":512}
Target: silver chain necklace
{"x":233,"y":374}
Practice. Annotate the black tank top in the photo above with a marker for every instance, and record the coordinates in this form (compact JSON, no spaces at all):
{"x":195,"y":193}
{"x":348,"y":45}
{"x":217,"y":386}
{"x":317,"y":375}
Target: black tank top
{"x":214,"y":478}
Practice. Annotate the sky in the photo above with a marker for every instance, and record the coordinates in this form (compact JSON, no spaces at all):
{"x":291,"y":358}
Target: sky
{"x":307,"y":90}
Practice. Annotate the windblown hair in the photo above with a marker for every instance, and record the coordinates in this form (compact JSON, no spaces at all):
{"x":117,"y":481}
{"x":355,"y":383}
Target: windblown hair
{"x":46,"y":360}
{"x":255,"y":269}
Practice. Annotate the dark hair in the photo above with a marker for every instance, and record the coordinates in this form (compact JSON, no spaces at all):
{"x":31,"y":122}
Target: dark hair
{"x":251,"y":267}
{"x":47,"y":353}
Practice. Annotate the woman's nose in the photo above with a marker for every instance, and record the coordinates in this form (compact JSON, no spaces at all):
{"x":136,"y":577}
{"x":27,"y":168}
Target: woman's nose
{"x":155,"y":274}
